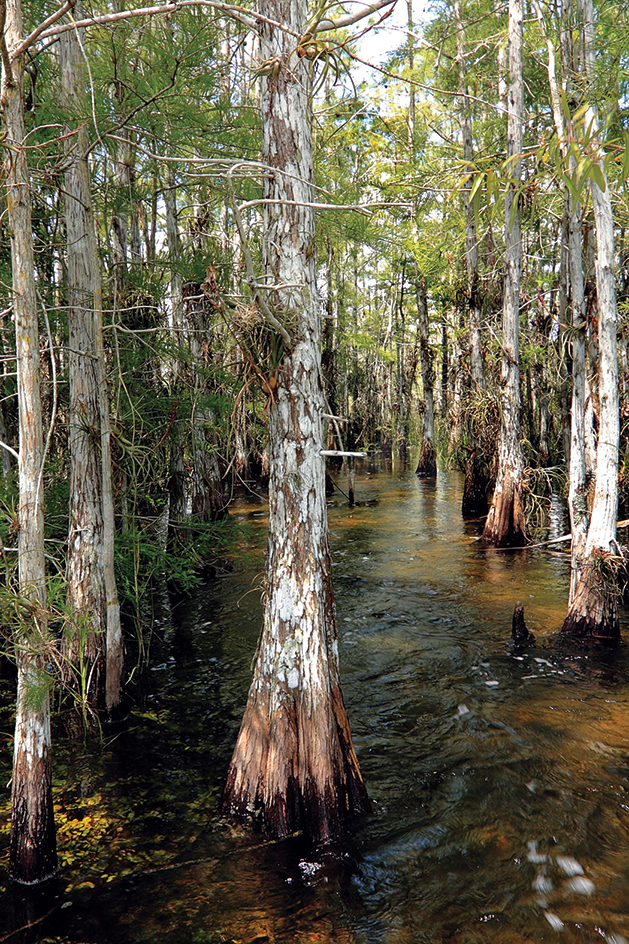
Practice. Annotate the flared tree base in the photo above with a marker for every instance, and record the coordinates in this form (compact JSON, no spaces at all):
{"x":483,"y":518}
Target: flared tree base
{"x":506,"y":521}
{"x":474,"y":503}
{"x":593,"y":613}
{"x":295,"y":769}
{"x":427,"y":465}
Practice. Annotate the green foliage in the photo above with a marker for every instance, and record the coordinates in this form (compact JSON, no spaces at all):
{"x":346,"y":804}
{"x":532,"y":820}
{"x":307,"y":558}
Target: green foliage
{"x":143,"y":559}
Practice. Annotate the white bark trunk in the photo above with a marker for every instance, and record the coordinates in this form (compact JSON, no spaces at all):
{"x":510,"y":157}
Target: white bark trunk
{"x":33,"y":856}
{"x":92,"y":586}
{"x":593,"y":609}
{"x":578,"y":470}
{"x":294,"y":765}
{"x":174,"y":252}
{"x":471,"y":238}
{"x":506,"y":522}
{"x":427,"y":464}
{"x":206,"y":485}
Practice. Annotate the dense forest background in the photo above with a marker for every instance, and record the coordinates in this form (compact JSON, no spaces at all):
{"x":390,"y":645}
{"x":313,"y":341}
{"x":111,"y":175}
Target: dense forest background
{"x":173,"y":128}
{"x":415,"y":173}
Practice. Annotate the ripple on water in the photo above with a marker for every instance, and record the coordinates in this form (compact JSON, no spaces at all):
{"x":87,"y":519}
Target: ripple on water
{"x":499,"y":777}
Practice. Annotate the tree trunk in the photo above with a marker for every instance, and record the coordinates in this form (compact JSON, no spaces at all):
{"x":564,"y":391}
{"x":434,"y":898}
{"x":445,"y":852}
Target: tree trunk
{"x":506,"y":522}
{"x":33,"y":854}
{"x":207,"y":499}
{"x":328,"y":353}
{"x":86,"y":586}
{"x":471,"y":239}
{"x":579,"y":480}
{"x":564,"y":334}
{"x":177,"y":473}
{"x":96,"y":645}
{"x":427,"y":465}
{"x":294,"y":765}
{"x":593,"y":608}
{"x":119,"y":222}
{"x":578,"y":473}
{"x":476,"y":486}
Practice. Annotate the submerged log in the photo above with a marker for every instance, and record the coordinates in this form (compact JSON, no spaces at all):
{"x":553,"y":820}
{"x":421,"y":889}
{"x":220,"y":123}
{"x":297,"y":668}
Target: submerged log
{"x":519,"y":631}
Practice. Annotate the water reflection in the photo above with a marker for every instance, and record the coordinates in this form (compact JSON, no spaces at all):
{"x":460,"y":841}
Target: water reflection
{"x":499,"y":776}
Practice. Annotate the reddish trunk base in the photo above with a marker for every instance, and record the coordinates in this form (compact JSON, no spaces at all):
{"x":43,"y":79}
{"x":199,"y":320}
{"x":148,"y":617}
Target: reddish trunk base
{"x":320,"y":813}
{"x":318,"y":800}
{"x":594,"y":610}
{"x":506,"y":522}
{"x":474,"y":502}
{"x":427,"y":465}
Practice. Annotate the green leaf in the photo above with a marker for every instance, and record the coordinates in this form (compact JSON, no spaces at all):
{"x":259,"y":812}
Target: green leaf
{"x":515,"y":206}
{"x":625,"y":159}
{"x":596,"y":174}
{"x":571,"y":187}
{"x":565,"y":107}
{"x":478,"y":182}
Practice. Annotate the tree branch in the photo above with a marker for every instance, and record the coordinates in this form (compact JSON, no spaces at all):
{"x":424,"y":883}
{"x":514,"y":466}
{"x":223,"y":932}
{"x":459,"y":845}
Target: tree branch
{"x":37,"y":32}
{"x":10,"y":449}
{"x":251,"y":276}
{"x":247,"y":17}
{"x":9,"y":80}
{"x":351,"y":18}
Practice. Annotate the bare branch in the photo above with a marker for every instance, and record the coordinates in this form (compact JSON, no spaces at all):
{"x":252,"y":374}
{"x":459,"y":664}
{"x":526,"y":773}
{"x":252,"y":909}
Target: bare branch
{"x":38,"y":31}
{"x":351,"y":18}
{"x":6,"y":61}
{"x":358,"y":207}
{"x":10,"y":449}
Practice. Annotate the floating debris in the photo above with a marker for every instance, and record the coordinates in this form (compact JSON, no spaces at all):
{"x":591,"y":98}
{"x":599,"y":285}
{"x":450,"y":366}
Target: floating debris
{"x":569,"y":865}
{"x":554,"y":921}
{"x":533,"y":855}
{"x":581,"y":885}
{"x":541,"y":883}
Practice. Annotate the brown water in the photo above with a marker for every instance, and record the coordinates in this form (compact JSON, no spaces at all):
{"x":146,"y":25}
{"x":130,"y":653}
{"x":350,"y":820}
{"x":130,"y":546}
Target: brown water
{"x":499,"y":777}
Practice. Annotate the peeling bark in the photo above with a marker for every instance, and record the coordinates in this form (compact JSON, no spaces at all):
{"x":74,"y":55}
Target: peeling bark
{"x":92,"y":590}
{"x":593,"y":610}
{"x":506,"y":522}
{"x":593,"y":607}
{"x":294,"y":765}
{"x":33,"y":854}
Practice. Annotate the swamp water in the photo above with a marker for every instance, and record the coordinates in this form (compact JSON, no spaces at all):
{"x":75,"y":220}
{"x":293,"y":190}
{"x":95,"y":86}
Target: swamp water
{"x":499,"y":778}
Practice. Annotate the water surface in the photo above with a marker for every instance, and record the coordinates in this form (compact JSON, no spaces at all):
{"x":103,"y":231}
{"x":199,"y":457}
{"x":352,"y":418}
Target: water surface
{"x":498,"y":776}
